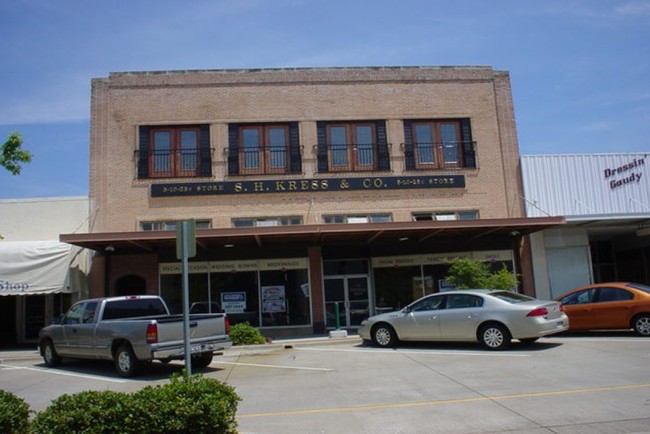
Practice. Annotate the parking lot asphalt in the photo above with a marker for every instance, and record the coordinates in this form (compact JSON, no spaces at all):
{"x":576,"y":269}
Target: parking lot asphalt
{"x":563,"y":384}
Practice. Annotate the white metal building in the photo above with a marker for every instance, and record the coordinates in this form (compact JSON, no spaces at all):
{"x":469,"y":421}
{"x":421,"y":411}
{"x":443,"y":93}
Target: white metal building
{"x":606,"y":201}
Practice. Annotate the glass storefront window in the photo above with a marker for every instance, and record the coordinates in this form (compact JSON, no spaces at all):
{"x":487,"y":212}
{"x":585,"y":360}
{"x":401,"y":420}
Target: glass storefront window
{"x":250,"y":291}
{"x":237,"y":294}
{"x":285,"y":298}
{"x":171,"y":290}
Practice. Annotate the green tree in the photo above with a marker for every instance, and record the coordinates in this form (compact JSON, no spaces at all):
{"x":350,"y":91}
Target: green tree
{"x":468,"y":273}
{"x":12,"y":154}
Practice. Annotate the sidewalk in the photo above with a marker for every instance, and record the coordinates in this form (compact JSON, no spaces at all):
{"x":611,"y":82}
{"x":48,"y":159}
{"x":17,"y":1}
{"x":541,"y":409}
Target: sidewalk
{"x":20,"y":353}
{"x":27,"y":353}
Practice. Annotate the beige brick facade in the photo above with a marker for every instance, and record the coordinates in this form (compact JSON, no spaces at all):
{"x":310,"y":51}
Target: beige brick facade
{"x":123,"y":102}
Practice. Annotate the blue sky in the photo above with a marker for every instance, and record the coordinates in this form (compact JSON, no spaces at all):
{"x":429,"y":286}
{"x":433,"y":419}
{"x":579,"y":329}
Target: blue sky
{"x":580,"y":69}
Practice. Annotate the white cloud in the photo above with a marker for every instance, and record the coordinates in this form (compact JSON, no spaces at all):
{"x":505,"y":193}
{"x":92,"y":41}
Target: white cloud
{"x":636,"y":8}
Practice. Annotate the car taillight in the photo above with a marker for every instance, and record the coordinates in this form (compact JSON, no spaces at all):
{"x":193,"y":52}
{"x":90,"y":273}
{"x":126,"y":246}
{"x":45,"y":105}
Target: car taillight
{"x":152,"y":333}
{"x":540,"y":311}
{"x":227,"y":322}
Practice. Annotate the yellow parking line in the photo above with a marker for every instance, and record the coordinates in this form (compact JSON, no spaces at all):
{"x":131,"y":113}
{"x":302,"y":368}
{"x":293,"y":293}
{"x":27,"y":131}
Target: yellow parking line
{"x":446,"y":401}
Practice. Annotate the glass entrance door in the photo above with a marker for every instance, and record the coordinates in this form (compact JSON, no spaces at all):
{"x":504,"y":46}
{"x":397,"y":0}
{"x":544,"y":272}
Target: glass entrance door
{"x":351,"y":295}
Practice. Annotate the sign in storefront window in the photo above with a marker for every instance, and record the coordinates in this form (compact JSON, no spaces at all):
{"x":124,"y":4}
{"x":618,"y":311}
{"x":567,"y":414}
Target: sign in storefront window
{"x":273,"y":299}
{"x":233,"y":302}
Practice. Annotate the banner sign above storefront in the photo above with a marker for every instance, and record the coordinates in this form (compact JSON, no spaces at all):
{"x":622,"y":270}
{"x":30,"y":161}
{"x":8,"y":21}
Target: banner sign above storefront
{"x":236,"y":266}
{"x":440,"y":258}
{"x":307,"y":185}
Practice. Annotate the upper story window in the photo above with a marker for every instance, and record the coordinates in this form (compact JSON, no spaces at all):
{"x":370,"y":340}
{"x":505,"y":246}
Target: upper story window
{"x":438,"y":144}
{"x":264,"y":149}
{"x":352,"y":146}
{"x":266,"y":221}
{"x":357,"y":218}
{"x":170,"y":225}
{"x":445,"y":215}
{"x":174,"y":151}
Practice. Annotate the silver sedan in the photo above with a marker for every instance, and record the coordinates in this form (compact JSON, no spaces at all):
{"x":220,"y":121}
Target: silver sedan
{"x":491,"y":317}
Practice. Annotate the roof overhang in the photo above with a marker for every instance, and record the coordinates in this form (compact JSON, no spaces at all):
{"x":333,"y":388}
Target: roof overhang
{"x":318,"y":235}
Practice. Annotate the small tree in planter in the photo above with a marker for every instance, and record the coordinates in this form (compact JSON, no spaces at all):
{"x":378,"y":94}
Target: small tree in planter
{"x":467,"y":273}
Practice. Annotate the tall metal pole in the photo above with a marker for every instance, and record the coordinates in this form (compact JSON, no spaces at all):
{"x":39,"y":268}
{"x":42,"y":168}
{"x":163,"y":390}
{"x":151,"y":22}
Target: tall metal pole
{"x":186,"y":298}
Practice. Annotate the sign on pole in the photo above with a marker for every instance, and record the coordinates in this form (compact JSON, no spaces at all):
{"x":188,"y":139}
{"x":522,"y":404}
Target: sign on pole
{"x":186,"y":248}
{"x":190,"y":234}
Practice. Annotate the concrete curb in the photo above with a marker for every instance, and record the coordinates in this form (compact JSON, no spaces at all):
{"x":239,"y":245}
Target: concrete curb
{"x":19,"y":355}
{"x":278,"y":344}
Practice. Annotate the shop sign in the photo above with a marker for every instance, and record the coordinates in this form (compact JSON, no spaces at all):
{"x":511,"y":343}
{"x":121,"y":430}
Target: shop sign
{"x":628,"y":173}
{"x":236,"y":266}
{"x":307,"y":185}
{"x":492,"y":255}
{"x":282,"y":264}
{"x":439,"y":258}
{"x":6,"y":285}
{"x":232,"y":266}
{"x":176,"y":267}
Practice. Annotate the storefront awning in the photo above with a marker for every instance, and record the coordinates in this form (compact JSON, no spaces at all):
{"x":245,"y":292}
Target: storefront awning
{"x":33,"y":267}
{"x":333,"y":234}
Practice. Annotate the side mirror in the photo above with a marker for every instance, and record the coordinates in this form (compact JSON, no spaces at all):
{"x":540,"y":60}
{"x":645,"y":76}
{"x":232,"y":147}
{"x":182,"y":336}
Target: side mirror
{"x":57,"y":319}
{"x":407,"y":309}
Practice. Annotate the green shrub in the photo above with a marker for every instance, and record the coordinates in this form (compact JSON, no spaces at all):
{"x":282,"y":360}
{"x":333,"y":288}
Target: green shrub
{"x":468,"y":273}
{"x":14,"y":414}
{"x":245,"y":334}
{"x":85,"y":412}
{"x":187,"y":404}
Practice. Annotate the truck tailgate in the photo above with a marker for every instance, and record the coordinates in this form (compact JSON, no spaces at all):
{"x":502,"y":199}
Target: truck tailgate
{"x":202,"y":327}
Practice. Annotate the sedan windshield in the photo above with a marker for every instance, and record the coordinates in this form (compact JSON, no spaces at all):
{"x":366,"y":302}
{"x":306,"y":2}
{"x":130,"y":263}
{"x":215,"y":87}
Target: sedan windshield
{"x":511,"y":297}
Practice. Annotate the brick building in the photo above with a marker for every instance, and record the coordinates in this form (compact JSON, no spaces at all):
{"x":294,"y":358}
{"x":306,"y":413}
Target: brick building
{"x":311,"y":188}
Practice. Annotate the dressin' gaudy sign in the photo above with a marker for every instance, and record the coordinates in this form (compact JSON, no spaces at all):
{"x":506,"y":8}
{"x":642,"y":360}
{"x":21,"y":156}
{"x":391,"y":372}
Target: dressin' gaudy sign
{"x":307,"y":185}
{"x":628,"y":173}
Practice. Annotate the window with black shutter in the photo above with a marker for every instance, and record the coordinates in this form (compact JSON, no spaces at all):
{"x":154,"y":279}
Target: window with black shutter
{"x":438,"y":144}
{"x":264,"y":149}
{"x":174,"y":151}
{"x":352,"y":146}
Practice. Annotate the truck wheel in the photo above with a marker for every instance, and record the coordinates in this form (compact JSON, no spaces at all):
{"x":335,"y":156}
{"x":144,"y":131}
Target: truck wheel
{"x":125,"y":362}
{"x":202,"y":361}
{"x":50,"y":355}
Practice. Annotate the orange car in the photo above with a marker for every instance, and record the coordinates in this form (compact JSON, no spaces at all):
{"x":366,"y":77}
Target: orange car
{"x":614,"y":305}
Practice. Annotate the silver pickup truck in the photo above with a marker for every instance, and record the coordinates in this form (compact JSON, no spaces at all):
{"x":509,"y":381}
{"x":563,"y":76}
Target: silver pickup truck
{"x":131,"y":331}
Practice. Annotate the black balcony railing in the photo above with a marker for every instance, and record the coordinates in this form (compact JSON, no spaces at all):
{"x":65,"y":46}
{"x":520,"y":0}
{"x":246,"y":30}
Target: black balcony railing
{"x":353,"y":157}
{"x":173,"y":163}
{"x":440,"y":155}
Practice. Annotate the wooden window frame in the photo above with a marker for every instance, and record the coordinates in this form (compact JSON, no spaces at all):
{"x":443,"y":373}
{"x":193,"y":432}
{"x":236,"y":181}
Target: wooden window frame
{"x":266,"y":152}
{"x":352,"y":148}
{"x":437,"y":144}
{"x":176,"y":155}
